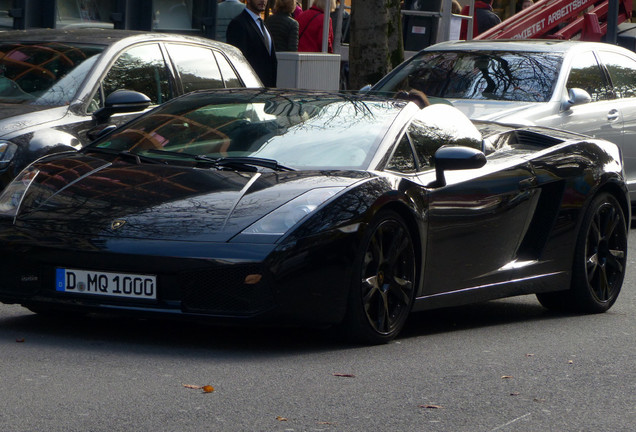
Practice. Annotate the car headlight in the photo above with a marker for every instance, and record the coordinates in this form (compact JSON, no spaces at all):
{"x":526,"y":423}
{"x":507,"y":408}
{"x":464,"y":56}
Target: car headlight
{"x":7,"y":151}
{"x":11,"y":197}
{"x":289,"y":214}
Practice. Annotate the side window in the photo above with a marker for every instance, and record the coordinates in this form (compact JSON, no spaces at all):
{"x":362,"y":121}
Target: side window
{"x":229,"y":76}
{"x":140,"y":68}
{"x":402,"y":160}
{"x":438,"y":125}
{"x":587,"y":75}
{"x":196,"y":66}
{"x":621,"y":69}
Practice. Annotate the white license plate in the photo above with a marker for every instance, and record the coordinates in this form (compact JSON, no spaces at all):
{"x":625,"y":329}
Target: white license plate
{"x":104,"y":283}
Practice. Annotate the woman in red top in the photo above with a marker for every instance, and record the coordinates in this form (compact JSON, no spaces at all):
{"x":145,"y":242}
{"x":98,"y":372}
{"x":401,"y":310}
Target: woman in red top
{"x":310,"y":25}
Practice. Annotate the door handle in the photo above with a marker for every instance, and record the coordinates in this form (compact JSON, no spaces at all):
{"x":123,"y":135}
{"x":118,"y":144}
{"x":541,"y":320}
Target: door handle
{"x":613,"y":115}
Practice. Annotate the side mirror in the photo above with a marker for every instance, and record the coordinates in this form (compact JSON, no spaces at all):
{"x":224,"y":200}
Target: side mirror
{"x":576,"y":96}
{"x":122,"y":101}
{"x":456,"y":158}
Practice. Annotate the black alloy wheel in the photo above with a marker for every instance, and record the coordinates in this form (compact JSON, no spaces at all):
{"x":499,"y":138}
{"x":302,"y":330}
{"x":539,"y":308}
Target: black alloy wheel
{"x":383,"y":289}
{"x":599,"y":260}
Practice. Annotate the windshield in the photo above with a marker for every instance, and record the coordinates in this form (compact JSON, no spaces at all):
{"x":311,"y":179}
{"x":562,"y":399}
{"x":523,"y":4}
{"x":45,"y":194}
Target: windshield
{"x":48,"y":73}
{"x":509,"y":76}
{"x":304,"y":131}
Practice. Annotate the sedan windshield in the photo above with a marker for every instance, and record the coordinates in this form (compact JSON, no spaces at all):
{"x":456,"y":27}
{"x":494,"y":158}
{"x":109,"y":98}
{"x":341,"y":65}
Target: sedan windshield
{"x":296,"y":130}
{"x":509,"y":76}
{"x":47,"y":73}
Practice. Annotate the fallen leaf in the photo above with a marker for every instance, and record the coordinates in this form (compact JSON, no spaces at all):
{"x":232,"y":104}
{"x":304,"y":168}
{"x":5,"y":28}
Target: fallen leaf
{"x":344,"y":375}
{"x":281,"y":418}
{"x":208,"y":388}
{"x":192,"y":386}
{"x":570,"y":361}
{"x":325,"y":423}
{"x":507,"y":377}
{"x":514,"y":394}
{"x":19,"y":340}
{"x":538,"y":400}
{"x":431,"y":406}
{"x":529,"y":355}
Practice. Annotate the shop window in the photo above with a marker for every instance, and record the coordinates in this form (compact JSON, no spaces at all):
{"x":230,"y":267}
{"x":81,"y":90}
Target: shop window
{"x":6,"y":22}
{"x":172,"y":14}
{"x":84,"y":13}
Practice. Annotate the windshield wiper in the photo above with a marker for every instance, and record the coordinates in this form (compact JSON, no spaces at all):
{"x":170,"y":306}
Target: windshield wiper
{"x":230,"y":161}
{"x":243,"y":161}
{"x":136,"y":157}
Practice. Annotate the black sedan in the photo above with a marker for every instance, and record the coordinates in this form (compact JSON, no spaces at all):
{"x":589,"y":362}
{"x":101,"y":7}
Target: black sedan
{"x":56,"y":85}
{"x":254,"y":205}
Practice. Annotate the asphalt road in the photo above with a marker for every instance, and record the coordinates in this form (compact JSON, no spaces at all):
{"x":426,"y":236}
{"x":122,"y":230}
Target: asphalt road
{"x":500,"y":366}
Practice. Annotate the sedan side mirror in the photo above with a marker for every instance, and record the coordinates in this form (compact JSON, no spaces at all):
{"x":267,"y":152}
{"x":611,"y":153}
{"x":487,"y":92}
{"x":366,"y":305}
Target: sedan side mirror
{"x":576,"y":96}
{"x":456,"y":158}
{"x":122,"y":101}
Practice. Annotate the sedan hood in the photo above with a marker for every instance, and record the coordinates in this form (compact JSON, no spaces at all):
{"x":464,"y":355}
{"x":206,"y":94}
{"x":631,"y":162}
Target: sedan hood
{"x":15,"y":117}
{"x":84,"y":195}
{"x":490,"y":110}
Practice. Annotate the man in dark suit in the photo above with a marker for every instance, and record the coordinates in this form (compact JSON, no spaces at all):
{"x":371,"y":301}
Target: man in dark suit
{"x":248,"y":33}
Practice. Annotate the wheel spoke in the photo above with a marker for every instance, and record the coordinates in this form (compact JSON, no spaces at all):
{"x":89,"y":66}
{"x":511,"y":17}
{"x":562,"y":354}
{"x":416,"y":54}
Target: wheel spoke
{"x":369,"y":288}
{"x":402,"y":290}
{"x":592,"y":265}
{"x":398,"y":245}
{"x":595,"y":230}
{"x":614,"y":260}
{"x":382,"y":323}
{"x":611,"y":223}
{"x":603,"y":288}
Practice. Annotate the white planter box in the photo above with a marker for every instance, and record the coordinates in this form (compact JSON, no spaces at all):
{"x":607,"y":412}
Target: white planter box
{"x":314,"y":71}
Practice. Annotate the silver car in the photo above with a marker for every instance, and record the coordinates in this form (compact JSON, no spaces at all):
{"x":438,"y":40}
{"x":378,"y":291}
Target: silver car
{"x":583,"y":87}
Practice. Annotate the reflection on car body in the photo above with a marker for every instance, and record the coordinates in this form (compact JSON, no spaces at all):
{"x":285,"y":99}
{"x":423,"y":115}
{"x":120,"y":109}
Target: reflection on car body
{"x":263,"y":205}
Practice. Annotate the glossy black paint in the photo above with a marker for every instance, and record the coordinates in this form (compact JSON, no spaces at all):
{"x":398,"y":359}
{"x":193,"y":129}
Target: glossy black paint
{"x":504,"y":222}
{"x":41,"y":129}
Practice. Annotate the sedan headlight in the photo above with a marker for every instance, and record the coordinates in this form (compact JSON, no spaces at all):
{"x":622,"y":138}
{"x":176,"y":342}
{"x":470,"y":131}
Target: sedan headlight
{"x":11,"y":197}
{"x":286,"y":216}
{"x":7,"y":151}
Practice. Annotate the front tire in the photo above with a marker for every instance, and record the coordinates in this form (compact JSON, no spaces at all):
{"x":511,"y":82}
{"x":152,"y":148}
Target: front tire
{"x":383,"y":287}
{"x":600,"y":259}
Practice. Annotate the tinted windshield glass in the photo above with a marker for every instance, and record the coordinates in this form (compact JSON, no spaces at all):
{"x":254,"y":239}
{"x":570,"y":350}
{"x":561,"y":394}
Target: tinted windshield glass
{"x":511,"y":76}
{"x":42,"y":73}
{"x":305,"y":131}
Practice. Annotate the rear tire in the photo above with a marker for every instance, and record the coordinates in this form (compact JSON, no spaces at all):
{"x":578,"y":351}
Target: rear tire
{"x":600,"y":259}
{"x":383,"y":286}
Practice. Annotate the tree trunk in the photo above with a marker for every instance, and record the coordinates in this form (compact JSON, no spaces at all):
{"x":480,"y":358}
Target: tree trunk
{"x":376,"y":40}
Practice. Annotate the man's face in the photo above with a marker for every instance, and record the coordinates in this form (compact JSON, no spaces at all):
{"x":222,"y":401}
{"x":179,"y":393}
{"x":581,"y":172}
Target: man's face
{"x":256,"y":6}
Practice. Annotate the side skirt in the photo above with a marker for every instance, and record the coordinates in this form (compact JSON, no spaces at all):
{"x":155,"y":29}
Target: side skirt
{"x":557,"y":281}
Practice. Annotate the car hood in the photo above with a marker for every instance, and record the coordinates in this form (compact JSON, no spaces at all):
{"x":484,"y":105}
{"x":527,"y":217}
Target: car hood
{"x":490,"y":110}
{"x":14,"y":117}
{"x":84,"y":195}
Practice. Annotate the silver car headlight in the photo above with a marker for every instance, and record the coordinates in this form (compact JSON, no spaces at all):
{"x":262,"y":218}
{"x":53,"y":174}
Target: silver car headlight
{"x":289,"y":214}
{"x":11,"y":197}
{"x":7,"y":151}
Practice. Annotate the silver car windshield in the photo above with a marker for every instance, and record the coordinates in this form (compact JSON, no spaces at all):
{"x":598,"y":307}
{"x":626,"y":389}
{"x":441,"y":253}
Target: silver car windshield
{"x":509,"y":76}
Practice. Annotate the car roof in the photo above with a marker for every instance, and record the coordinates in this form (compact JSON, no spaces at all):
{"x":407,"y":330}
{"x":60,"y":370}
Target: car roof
{"x":534,"y":45}
{"x":95,"y":36}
